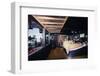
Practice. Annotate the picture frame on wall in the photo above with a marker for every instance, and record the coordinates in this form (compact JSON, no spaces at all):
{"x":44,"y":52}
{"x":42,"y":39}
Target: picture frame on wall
{"x":50,"y":38}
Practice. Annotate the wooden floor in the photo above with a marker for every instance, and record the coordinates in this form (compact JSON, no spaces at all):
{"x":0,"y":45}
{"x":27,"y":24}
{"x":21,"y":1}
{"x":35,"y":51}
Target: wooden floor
{"x":57,"y":53}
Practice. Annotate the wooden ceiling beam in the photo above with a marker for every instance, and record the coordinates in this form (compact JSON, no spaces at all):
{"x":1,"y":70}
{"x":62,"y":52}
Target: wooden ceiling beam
{"x":52,"y":23}
{"x":49,"y":18}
